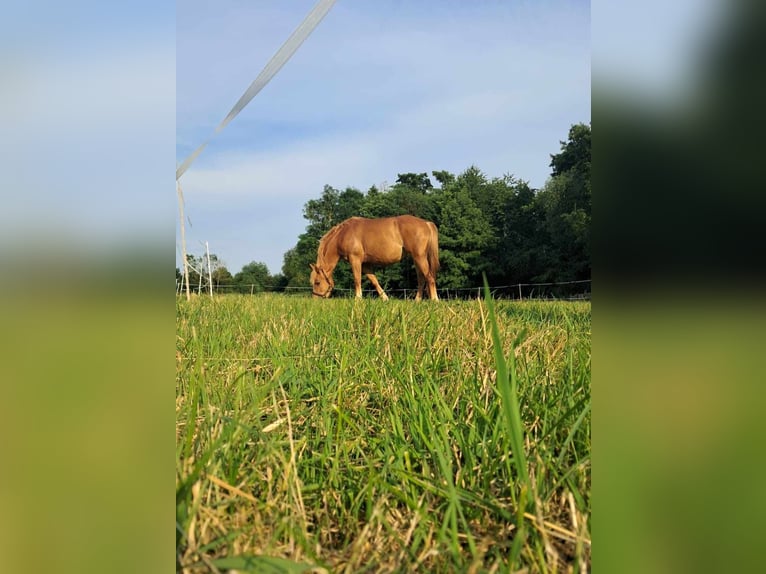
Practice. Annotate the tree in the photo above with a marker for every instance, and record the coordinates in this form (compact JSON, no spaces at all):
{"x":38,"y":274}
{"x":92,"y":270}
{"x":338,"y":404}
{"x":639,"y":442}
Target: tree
{"x":409,"y":195}
{"x":221,"y":276}
{"x":522,"y":252}
{"x":379,"y":204}
{"x":322,"y":213}
{"x":464,"y":234}
{"x":445,"y":178}
{"x":415,"y":181}
{"x":566,"y":202}
{"x":575,"y":152}
{"x":350,"y":204}
{"x":252,"y":278}
{"x":295,"y":265}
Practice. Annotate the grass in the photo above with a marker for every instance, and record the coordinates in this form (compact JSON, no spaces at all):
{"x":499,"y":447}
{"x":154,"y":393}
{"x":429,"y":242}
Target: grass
{"x":371,"y":436}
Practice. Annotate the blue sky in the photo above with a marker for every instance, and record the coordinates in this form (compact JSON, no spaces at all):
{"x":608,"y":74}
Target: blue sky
{"x":379,"y":88}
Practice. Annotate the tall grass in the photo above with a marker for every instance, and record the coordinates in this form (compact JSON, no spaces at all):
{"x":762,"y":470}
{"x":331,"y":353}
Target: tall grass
{"x":366,"y":436}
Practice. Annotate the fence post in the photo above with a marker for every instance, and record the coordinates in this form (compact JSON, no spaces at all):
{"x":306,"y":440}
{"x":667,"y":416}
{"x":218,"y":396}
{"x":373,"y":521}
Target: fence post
{"x":183,"y":236}
{"x":209,"y":270}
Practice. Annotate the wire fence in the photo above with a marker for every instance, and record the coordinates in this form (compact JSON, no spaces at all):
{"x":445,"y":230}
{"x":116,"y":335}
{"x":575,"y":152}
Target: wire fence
{"x":579,"y":290}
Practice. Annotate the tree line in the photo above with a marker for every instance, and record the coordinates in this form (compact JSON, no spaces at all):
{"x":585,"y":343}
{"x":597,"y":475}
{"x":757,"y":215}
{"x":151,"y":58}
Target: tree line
{"x":252,"y":278}
{"x":500,"y":227}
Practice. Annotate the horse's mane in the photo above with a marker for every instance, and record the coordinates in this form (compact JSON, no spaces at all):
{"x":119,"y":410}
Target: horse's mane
{"x":323,"y":243}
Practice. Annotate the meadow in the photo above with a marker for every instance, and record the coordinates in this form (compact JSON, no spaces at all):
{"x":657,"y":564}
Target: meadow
{"x":374,"y":436}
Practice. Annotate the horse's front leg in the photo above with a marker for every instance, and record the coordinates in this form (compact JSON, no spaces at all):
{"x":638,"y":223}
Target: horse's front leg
{"x":356,"y":269}
{"x":378,"y":288}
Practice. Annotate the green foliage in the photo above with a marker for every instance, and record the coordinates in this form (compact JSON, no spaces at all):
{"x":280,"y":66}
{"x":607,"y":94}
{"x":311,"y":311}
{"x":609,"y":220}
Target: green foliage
{"x":575,"y":152}
{"x":418,"y":182}
{"x":253,"y":278}
{"x":443,"y":177}
{"x":297,"y":259}
{"x":464,"y":235}
{"x":566,"y":200}
{"x":322,"y":213}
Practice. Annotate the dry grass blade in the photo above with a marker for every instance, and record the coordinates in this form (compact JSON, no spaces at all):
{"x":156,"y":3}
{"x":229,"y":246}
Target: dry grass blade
{"x":231,"y":488}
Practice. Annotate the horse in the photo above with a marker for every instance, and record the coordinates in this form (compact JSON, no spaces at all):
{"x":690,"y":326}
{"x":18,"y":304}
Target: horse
{"x":369,"y":243}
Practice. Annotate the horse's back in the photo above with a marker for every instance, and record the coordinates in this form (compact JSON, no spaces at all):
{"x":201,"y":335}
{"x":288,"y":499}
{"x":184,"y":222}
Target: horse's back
{"x":402,"y":230}
{"x":414,"y":230}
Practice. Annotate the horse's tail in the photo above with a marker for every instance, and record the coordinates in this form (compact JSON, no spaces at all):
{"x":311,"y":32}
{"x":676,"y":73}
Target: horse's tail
{"x":432,"y":251}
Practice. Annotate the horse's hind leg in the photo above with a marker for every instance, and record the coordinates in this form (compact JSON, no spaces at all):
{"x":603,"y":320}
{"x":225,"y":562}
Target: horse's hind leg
{"x":425,"y":276}
{"x":378,"y":288}
{"x":421,"y":283}
{"x":432,"y":289}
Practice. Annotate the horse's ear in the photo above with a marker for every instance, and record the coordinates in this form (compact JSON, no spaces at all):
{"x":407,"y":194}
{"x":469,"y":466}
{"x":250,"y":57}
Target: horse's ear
{"x":313,"y":267}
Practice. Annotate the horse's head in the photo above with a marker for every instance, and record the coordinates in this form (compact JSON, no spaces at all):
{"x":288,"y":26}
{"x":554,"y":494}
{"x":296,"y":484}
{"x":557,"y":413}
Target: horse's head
{"x":321,"y":282}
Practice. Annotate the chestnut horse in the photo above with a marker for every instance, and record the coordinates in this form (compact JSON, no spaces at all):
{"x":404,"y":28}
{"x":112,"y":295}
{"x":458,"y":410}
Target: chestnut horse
{"x":369,"y":243}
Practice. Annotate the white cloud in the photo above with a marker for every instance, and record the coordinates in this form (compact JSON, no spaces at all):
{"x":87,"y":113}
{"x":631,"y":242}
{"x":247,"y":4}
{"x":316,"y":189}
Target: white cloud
{"x":449,"y":133}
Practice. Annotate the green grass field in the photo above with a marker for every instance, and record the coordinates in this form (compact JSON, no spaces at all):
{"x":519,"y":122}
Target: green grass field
{"x":371,"y":436}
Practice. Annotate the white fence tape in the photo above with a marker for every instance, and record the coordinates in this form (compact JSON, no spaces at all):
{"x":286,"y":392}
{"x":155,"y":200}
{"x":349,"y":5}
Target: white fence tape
{"x":275,"y":64}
